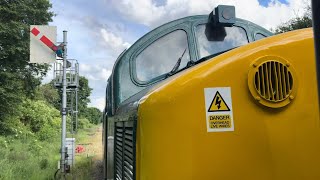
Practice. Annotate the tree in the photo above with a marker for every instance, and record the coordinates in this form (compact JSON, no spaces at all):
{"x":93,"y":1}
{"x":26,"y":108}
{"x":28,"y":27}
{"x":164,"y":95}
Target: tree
{"x":296,"y":23}
{"x":93,"y":115}
{"x":11,"y":94}
{"x":53,"y":95}
{"x":83,"y":94}
{"x":49,"y":94}
{"x":18,"y":78}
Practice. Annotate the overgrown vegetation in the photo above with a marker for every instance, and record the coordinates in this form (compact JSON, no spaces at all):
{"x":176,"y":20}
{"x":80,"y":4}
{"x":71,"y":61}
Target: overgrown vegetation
{"x":30,"y":120}
{"x":32,"y":136}
{"x":18,"y":78}
{"x":29,"y":145}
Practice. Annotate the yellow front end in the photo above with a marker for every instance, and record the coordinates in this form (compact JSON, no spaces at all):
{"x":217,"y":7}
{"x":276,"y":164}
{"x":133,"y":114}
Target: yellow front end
{"x":266,"y":143}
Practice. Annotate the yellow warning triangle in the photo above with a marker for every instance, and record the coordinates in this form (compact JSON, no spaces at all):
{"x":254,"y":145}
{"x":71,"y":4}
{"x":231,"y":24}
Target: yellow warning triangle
{"x":218,"y":104}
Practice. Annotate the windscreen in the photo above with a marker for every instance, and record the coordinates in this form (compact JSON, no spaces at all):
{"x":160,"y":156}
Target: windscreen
{"x":212,"y":40}
{"x":161,"y":56}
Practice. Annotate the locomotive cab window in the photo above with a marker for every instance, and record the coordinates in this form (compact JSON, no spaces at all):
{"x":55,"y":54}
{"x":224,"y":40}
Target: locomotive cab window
{"x":218,"y":39}
{"x":259,"y":36}
{"x":160,"y":57}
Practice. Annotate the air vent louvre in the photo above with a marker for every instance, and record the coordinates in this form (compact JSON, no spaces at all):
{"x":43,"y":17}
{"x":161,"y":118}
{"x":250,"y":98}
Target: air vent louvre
{"x":273,"y":81}
{"x":124,"y":150}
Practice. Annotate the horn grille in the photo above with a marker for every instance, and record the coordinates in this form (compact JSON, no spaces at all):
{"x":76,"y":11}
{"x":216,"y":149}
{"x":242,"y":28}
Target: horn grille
{"x":272,"y":81}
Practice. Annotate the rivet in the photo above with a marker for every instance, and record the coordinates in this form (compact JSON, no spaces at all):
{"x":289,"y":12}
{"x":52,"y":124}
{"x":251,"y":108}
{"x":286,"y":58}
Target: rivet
{"x":257,"y":98}
{"x":291,"y":97}
{"x":254,"y":64}
{"x":288,"y":64}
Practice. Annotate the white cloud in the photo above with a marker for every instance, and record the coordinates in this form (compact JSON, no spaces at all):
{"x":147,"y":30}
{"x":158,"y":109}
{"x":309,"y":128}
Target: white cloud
{"x":95,"y":72}
{"x":150,"y":14}
{"x":104,"y":73}
{"x":113,"y":42}
{"x":137,"y":10}
{"x":98,"y":102}
{"x":97,"y":75}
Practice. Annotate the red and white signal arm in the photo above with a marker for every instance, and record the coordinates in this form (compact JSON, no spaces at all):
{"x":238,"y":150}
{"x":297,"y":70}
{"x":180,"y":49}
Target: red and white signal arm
{"x":42,"y":44}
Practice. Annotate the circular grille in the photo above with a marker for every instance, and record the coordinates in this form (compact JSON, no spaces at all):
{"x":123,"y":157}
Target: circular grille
{"x":273,"y":81}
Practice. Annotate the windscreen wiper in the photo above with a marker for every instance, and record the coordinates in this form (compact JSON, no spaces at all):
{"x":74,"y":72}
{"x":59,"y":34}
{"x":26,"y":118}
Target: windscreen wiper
{"x":191,"y":63}
{"x":177,"y":65}
{"x":213,"y":55}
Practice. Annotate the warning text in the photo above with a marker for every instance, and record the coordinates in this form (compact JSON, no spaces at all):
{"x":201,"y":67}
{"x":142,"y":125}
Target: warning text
{"x":220,"y":121}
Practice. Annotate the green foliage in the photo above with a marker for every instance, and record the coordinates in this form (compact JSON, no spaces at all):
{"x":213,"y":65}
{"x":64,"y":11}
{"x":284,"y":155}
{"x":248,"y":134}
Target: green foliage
{"x":35,"y":147}
{"x":18,"y":78}
{"x":28,"y":159}
{"x":15,"y":19}
{"x":48,"y":93}
{"x":11,"y":94}
{"x":37,"y":115}
{"x":48,"y":132}
{"x":84,"y":123}
{"x":83,"y":94}
{"x":44,"y":163}
{"x":30,"y":120}
{"x":93,"y":115}
{"x":35,"y":119}
{"x":3,"y":142}
{"x":296,"y":23}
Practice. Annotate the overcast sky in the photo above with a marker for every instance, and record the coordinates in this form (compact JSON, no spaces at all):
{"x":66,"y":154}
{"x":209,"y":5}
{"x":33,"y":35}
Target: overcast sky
{"x":99,"y":30}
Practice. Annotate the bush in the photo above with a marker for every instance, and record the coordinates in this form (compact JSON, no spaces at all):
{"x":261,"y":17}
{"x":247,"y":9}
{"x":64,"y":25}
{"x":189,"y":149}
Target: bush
{"x":3,"y":142}
{"x":35,"y":147}
{"x":29,"y":158}
{"x":92,"y":114}
{"x":36,"y":114}
{"x":44,"y":164}
{"x":84,"y":123}
{"x":47,"y":133}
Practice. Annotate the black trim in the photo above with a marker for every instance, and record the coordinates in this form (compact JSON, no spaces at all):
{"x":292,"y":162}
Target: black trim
{"x":316,"y":32}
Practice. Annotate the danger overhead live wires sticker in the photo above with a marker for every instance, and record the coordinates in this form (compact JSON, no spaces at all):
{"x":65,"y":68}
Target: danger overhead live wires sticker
{"x":218,"y":106}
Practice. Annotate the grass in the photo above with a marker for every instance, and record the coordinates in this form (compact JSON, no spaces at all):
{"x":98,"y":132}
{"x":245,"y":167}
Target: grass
{"x":85,"y":162}
{"x":28,"y":158}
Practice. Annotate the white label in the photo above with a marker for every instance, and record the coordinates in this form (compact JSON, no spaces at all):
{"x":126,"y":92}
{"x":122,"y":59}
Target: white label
{"x":218,"y":107}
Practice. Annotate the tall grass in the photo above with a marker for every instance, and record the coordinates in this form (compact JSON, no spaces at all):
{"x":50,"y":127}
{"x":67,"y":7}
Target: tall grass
{"x":28,"y":158}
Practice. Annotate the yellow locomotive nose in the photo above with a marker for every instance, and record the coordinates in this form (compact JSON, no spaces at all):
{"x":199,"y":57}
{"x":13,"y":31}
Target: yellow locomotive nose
{"x":201,"y":98}
{"x":245,"y":138}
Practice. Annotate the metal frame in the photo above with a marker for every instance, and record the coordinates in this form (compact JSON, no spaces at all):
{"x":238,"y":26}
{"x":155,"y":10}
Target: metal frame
{"x":72,"y":73}
{"x":66,"y":78}
{"x":73,"y":109}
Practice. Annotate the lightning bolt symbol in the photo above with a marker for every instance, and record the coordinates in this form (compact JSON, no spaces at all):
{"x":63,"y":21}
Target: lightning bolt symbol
{"x":218,"y":102}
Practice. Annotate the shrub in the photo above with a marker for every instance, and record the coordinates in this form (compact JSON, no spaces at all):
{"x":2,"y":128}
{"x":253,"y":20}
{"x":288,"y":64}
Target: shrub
{"x":3,"y":142}
{"x":47,"y":133}
{"x":43,"y":163}
{"x":36,"y":114}
{"x":84,"y":123}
